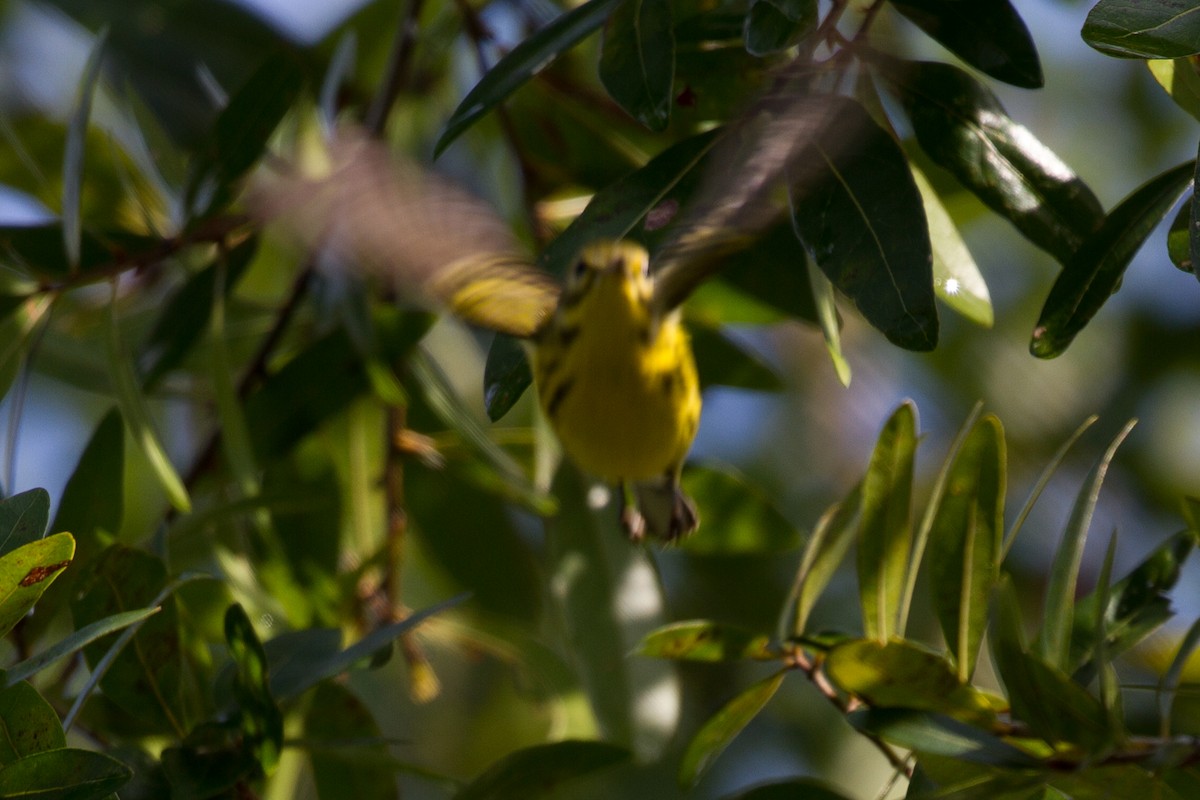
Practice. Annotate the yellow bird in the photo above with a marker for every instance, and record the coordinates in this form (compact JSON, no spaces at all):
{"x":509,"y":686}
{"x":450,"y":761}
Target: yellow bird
{"x":612,"y":363}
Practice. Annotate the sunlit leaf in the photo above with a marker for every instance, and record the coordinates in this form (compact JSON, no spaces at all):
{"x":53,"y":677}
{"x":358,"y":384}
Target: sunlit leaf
{"x":1059,"y":610}
{"x":1145,"y":29}
{"x":522,"y":63}
{"x":538,"y":771}
{"x":827,"y":317}
{"x":1094,"y":272}
{"x":27,"y":571}
{"x":1180,"y":78}
{"x":717,"y":733}
{"x":885,"y":524}
{"x":963,"y":127}
{"x":637,"y":60}
{"x":702,"y":640}
{"x":987,"y":34}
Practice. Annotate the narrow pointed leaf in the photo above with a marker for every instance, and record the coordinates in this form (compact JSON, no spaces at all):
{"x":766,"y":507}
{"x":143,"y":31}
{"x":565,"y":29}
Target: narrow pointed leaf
{"x":987,"y":34}
{"x":522,"y":63}
{"x":827,"y":316}
{"x":964,"y":543}
{"x":68,"y":773}
{"x":261,"y":721}
{"x":927,"y":732}
{"x":637,"y":60}
{"x":75,"y":642}
{"x":28,"y":724}
{"x":1169,"y":683}
{"x":538,"y":771}
{"x":72,"y":222}
{"x":1179,"y":237}
{"x":23,"y":519}
{"x":716,"y":734}
{"x":702,"y":640}
{"x":25,"y":573}
{"x":901,"y":675}
{"x":964,"y":128}
{"x":827,"y":546}
{"x":1094,"y":273}
{"x":885,"y":526}
{"x":857,"y":209}
{"x":1059,"y":609}
{"x":1144,"y":29}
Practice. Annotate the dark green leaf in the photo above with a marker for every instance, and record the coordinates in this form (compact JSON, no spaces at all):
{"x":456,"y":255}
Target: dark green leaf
{"x":28,"y":723}
{"x":738,"y":516}
{"x":1179,"y":237}
{"x":1194,"y":228}
{"x":146,"y":678}
{"x":66,"y":773}
{"x":72,"y":222}
{"x":1180,"y":79}
{"x":927,"y":732}
{"x":963,"y":127}
{"x":27,"y":571}
{"x":795,"y":789}
{"x":241,"y":131}
{"x":902,"y":675}
{"x":1059,"y":611}
{"x":209,"y":763}
{"x":885,"y":524}
{"x":1094,"y":273}
{"x":75,"y":642}
{"x":775,"y":25}
{"x":1144,"y":29}
{"x":522,"y":63}
{"x":823,"y":553}
{"x":506,"y":375}
{"x":1136,"y":605}
{"x":185,"y":316}
{"x":23,"y":519}
{"x":339,"y":730}
{"x":987,"y":34}
{"x":964,"y":543}
{"x":540,"y":770}
{"x":38,"y":250}
{"x":712,"y":739}
{"x":857,"y":209}
{"x":702,"y":640}
{"x":637,"y":60}
{"x":261,"y":722}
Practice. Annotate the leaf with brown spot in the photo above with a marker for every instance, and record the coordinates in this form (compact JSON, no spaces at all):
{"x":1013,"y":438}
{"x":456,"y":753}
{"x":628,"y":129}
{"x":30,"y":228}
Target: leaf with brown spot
{"x":27,"y":571}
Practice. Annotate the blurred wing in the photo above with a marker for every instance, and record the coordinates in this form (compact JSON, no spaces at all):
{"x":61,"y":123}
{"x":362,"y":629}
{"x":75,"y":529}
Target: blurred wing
{"x":743,"y":192}
{"x":435,"y":240}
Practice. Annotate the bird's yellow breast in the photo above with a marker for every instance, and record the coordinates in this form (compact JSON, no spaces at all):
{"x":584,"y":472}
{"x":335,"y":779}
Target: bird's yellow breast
{"x":618,"y":386}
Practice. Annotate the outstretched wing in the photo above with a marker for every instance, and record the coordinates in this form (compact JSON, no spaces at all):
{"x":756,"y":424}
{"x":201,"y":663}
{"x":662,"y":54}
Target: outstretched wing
{"x":438,"y":242}
{"x":744,"y":190}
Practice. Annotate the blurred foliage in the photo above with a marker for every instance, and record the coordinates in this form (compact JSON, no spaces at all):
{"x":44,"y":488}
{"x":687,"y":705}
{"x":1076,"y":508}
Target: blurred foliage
{"x":293,"y":559}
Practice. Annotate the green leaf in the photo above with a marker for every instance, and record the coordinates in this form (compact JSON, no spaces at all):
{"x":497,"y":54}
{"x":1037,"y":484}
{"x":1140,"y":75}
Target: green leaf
{"x":717,"y":733}
{"x":963,"y":127}
{"x":826,"y":547}
{"x":522,"y":63}
{"x":987,"y":34}
{"x":928,"y":732}
{"x":857,"y":209}
{"x":540,"y":770}
{"x":775,"y":25}
{"x":1180,"y":79}
{"x":1145,"y":29}
{"x":1094,"y":273}
{"x":241,"y":131}
{"x":37,"y":250}
{"x":827,"y":317}
{"x":738,"y":517}
{"x":27,"y":571}
{"x":1135,"y":606}
{"x":506,"y":375}
{"x":15,"y":331}
{"x":261,"y":722}
{"x":136,"y":413}
{"x":723,"y":361}
{"x":1168,"y":684}
{"x":956,"y":276}
{"x":964,"y":543}
{"x":23,"y":519}
{"x":795,"y":789}
{"x":1058,"y":611}
{"x":28,"y":723}
{"x":66,"y":773}
{"x":339,"y":730}
{"x":1179,"y":237}
{"x":637,"y":60}
{"x":885,"y":524}
{"x":72,"y":223}
{"x":900,"y":674}
{"x":703,"y":640}
{"x":75,"y":642}
{"x":146,"y":678}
